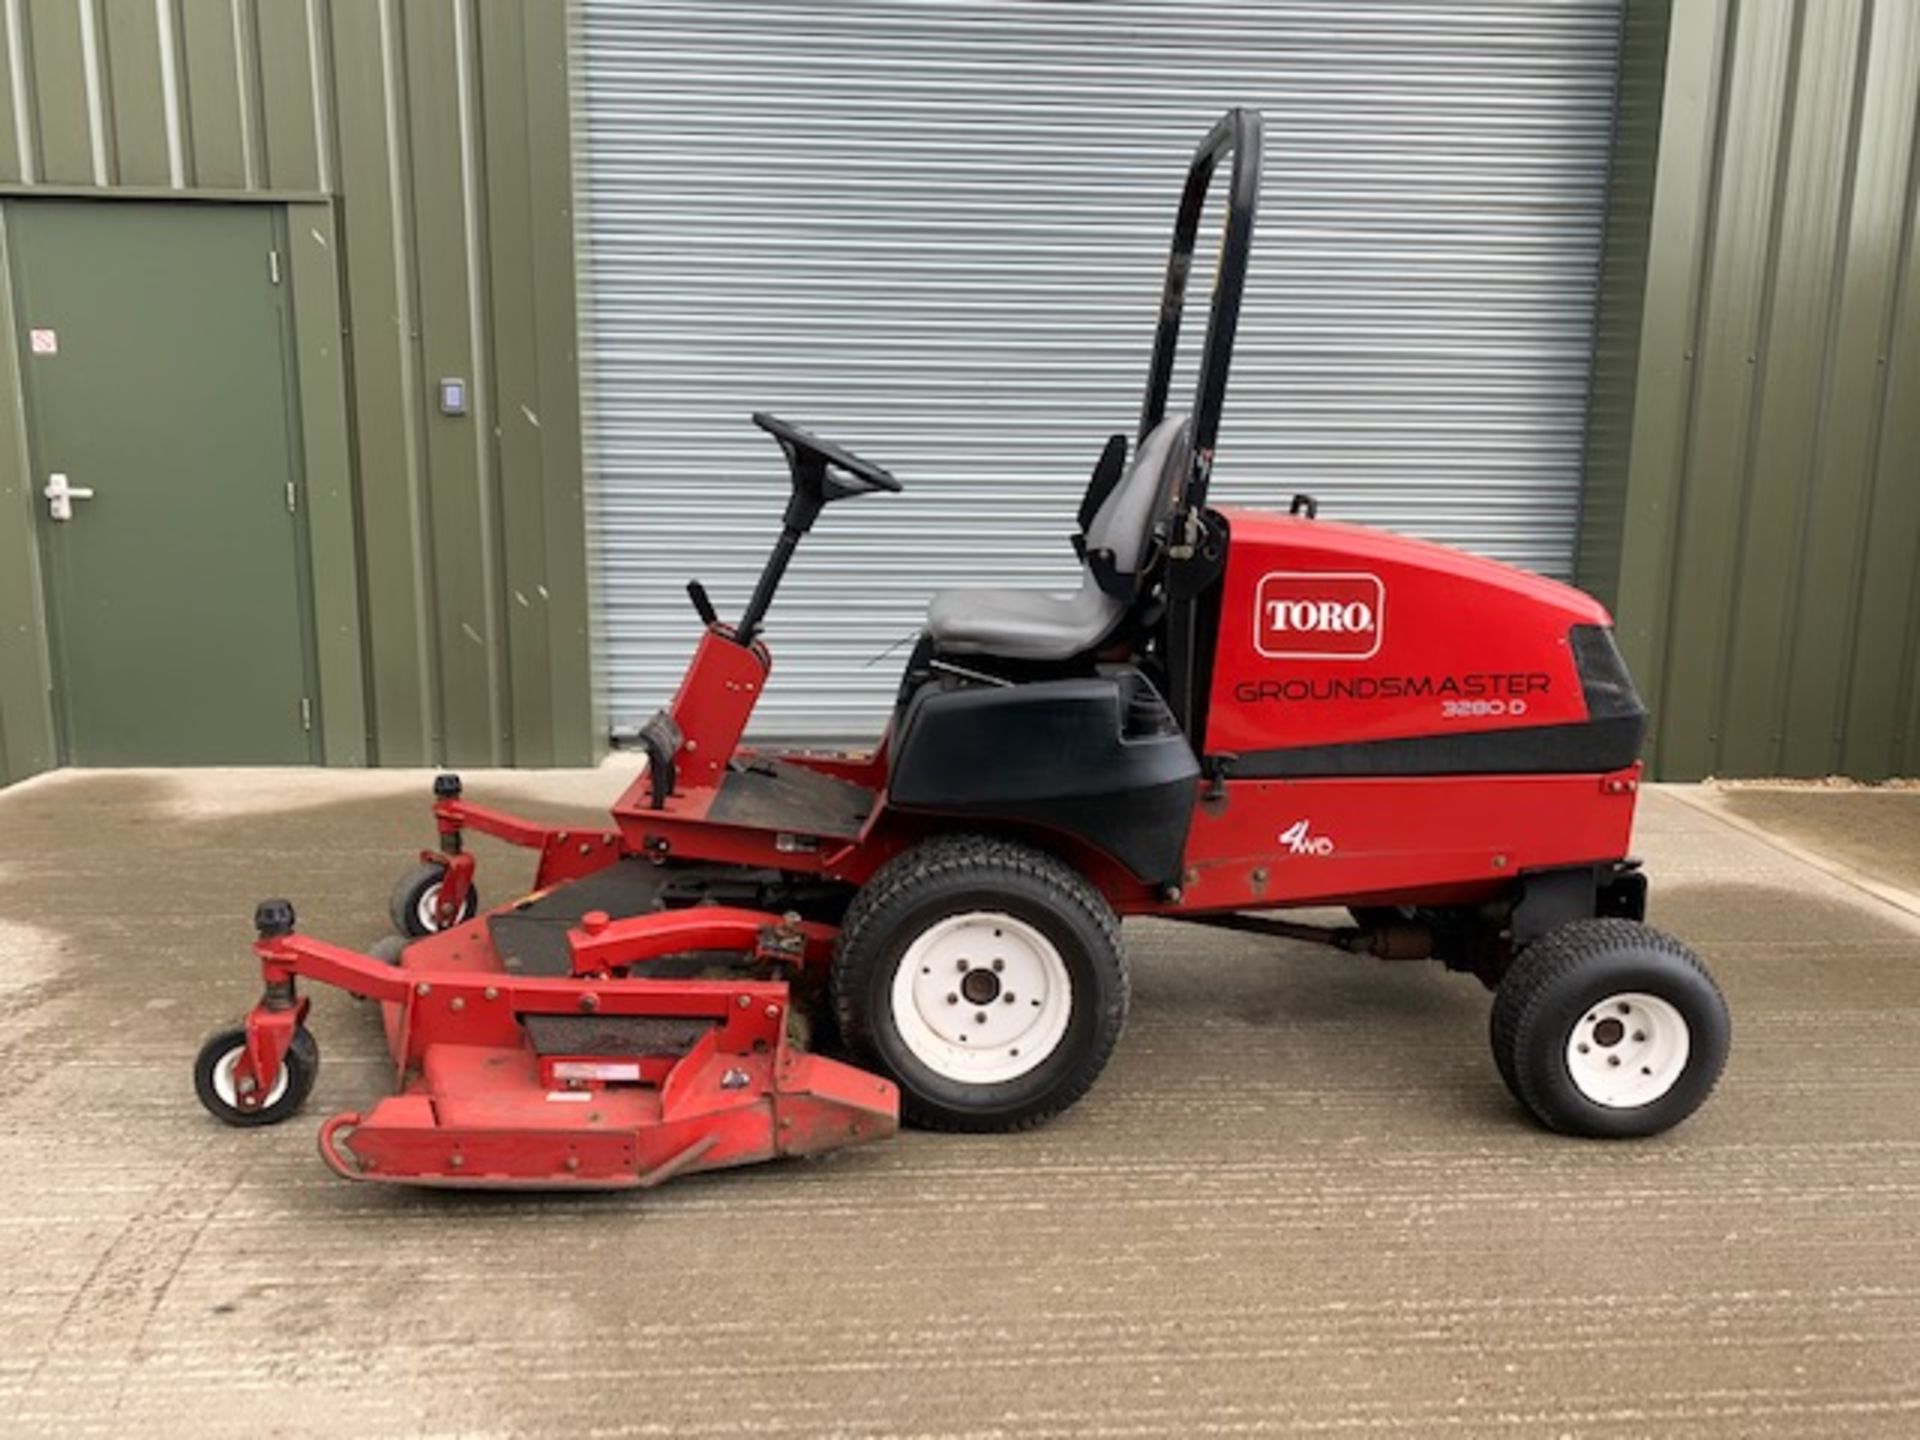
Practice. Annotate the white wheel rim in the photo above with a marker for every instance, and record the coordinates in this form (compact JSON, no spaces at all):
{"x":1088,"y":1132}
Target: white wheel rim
{"x":1628,"y":1050}
{"x":425,"y":909}
{"x":982,"y":998}
{"x":229,"y":1092}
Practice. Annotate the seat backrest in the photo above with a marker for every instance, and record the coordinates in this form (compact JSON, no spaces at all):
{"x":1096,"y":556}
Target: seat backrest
{"x":1124,"y":524}
{"x":1106,"y":475}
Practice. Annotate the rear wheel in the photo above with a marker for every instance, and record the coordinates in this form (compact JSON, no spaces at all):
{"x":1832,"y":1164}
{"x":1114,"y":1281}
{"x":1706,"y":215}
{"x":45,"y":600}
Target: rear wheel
{"x":1609,"y":1028}
{"x":986,"y":978}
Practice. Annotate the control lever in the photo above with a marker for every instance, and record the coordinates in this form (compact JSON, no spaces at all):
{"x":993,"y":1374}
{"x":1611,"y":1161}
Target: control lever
{"x":697,"y":593}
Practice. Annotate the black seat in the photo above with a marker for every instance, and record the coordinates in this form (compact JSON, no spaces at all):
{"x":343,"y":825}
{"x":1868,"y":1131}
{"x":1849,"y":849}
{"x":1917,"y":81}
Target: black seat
{"x":1118,"y":548}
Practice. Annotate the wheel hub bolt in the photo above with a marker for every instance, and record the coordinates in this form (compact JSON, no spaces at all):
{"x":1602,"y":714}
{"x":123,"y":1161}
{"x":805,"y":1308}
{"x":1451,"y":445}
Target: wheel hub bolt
{"x":981,"y":1018}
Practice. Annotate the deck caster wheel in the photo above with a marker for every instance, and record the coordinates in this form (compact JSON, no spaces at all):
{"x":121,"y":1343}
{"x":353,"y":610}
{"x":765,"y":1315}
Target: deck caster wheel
{"x":415,"y":894}
{"x":1608,"y":1028}
{"x":215,"y":1082}
{"x":983,"y":976}
{"x":388,"y":949}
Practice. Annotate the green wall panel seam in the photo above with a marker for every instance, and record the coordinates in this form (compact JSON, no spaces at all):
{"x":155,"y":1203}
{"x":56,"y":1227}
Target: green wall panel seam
{"x":487,"y":479}
{"x":1760,"y":366}
{"x":20,"y":95}
{"x":402,"y":195}
{"x":253,"y":121}
{"x":99,"y":94}
{"x":1823,"y":412}
{"x":320,"y":61}
{"x":29,"y":742}
{"x":1700,"y":262}
{"x":332,"y":512}
{"x":1905,"y":740}
{"x":579,"y":737}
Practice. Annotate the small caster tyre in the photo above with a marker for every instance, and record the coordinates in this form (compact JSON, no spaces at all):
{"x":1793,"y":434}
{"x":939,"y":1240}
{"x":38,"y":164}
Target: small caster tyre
{"x":414,"y":896}
{"x":986,"y":978}
{"x":1607,"y":1028}
{"x":389,"y":948}
{"x":213,"y":1078}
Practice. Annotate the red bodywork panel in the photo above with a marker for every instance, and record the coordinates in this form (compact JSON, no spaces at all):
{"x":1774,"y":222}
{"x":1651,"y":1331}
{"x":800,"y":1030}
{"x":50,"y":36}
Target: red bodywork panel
{"x":1416,"y":840}
{"x":1333,"y":634}
{"x":1427,"y":642}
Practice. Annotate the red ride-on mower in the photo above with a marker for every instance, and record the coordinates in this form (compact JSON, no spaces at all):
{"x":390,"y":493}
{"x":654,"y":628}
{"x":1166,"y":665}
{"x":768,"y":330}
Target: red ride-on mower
{"x":1236,"y":714}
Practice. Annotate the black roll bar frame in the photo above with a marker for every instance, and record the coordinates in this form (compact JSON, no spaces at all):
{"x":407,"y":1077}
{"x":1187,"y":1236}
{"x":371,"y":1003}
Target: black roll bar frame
{"x":1193,"y":534}
{"x":1236,"y":133}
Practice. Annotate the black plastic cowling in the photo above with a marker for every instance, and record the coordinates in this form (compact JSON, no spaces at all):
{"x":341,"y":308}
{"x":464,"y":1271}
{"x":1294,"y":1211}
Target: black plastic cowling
{"x":1098,"y":757}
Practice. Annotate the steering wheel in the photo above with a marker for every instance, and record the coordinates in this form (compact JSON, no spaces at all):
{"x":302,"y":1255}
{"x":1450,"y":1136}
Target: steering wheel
{"x":808,"y":456}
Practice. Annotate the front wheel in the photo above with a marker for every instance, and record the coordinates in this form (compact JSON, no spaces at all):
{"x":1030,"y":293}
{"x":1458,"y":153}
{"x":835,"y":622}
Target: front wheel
{"x":1609,"y":1028}
{"x":216,"y":1079}
{"x":414,"y":904}
{"x":986,"y":978}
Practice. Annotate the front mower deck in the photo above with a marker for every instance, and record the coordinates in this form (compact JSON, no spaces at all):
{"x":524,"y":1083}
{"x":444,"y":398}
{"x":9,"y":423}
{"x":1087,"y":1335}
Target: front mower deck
{"x":537,"y":1045}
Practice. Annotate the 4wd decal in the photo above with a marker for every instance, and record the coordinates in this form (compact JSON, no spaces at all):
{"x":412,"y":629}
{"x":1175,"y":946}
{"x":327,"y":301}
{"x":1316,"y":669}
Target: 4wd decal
{"x":1300,"y":840}
{"x":1318,"y":615}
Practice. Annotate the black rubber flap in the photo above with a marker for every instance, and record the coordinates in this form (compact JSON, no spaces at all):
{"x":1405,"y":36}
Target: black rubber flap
{"x":531,"y":939}
{"x":614,"y":1034}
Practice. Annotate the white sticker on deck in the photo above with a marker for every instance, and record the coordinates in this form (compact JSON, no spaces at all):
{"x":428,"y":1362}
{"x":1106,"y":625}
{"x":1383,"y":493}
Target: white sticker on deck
{"x":45,"y":342}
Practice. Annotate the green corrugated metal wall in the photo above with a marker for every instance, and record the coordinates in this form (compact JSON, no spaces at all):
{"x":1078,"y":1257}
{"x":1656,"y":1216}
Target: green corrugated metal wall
{"x":422,"y":149}
{"x":1753,"y":501}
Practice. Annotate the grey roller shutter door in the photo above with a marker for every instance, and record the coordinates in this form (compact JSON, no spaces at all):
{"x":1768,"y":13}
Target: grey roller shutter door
{"x":935,"y":232}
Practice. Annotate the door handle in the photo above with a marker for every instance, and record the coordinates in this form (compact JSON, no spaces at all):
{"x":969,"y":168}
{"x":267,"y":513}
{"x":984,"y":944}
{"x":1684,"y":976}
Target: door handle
{"x":60,"y":496}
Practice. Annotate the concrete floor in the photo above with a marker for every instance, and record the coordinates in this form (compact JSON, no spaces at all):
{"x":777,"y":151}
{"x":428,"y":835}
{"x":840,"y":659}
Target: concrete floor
{"x":1298,"y":1203}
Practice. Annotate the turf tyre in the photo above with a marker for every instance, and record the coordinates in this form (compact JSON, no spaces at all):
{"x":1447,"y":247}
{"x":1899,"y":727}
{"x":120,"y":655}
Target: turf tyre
{"x":963,"y":876}
{"x":1554,"y":985}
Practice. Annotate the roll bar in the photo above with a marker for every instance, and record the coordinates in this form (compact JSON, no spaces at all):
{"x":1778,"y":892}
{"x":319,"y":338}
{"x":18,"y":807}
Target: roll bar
{"x":1236,"y":133}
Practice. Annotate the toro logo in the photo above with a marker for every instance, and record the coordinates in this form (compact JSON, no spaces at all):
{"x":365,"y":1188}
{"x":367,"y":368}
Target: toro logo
{"x":1325,"y":615}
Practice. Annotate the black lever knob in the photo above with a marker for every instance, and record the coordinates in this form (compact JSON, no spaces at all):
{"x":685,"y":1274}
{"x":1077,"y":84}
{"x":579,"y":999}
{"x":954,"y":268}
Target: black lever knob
{"x":697,"y":593}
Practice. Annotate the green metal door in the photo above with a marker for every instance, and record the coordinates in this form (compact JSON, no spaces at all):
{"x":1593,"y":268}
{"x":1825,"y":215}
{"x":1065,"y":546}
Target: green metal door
{"x":153,"y":341}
